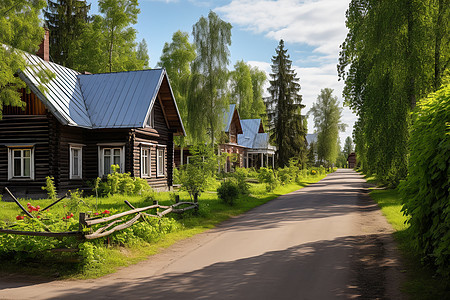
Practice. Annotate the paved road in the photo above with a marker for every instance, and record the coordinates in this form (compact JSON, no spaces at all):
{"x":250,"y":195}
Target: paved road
{"x":325,"y":241}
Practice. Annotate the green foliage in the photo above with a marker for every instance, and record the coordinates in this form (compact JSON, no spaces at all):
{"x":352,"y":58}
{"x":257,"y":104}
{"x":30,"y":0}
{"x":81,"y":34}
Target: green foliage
{"x":386,"y":68}
{"x":66,"y":20}
{"x":242,"y":90}
{"x":20,"y":29}
{"x":122,"y":183}
{"x":348,"y":146}
{"x":198,"y":174}
{"x":228,"y":191}
{"x":176,"y":58}
{"x":240,"y":174}
{"x":284,"y":109}
{"x":327,"y":120}
{"x":206,"y":101}
{"x":259,"y":78}
{"x":50,"y":187}
{"x":268,"y":176}
{"x":425,"y":191}
{"x":108,"y":42}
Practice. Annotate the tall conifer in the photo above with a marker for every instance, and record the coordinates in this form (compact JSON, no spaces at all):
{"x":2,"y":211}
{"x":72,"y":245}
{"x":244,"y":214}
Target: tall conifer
{"x":284,"y":109}
{"x":65,"y":19}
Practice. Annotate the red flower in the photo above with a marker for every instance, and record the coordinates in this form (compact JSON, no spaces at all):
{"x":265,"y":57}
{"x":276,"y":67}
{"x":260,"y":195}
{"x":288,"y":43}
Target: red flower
{"x":38,"y":208}
{"x":38,"y":217}
{"x":106,"y":212}
{"x":19,"y":217}
{"x":96,"y":214}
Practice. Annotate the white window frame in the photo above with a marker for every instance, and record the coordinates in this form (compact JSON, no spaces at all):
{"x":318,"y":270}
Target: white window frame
{"x":80,"y":162}
{"x":160,"y":170}
{"x":149,"y":164}
{"x":150,"y":123}
{"x":101,"y":158}
{"x":11,"y":163}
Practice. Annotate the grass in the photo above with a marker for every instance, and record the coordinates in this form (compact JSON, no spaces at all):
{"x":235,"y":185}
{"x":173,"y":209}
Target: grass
{"x":211,"y":212}
{"x":421,"y":281}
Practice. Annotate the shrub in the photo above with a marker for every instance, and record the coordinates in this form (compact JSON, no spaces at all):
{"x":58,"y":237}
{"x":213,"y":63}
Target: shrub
{"x":50,"y":188}
{"x":240,"y":175}
{"x":228,"y":191}
{"x":122,"y":183}
{"x":268,"y":176}
{"x":200,"y":172}
{"x":284,"y":175}
{"x":425,"y":191}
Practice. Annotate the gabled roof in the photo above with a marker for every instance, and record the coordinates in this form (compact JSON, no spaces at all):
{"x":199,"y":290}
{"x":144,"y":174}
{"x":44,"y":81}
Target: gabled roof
{"x":62,"y":95}
{"x":253,"y":135}
{"x":108,"y":100}
{"x":231,"y":114}
{"x":311,"y":138}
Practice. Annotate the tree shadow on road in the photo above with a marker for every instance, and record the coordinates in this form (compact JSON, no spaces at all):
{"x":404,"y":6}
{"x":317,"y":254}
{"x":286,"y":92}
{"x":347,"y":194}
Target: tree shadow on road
{"x":324,"y":273}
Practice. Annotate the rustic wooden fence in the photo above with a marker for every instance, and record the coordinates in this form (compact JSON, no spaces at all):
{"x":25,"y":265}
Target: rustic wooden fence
{"x":113,"y":223}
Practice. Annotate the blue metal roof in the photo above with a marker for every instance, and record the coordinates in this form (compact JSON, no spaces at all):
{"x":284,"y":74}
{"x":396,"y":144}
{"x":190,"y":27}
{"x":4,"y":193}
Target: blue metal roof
{"x":251,"y":138}
{"x":311,"y":138}
{"x":109,"y":100}
{"x":120,"y":100}
{"x":228,"y":117}
{"x":62,"y":95}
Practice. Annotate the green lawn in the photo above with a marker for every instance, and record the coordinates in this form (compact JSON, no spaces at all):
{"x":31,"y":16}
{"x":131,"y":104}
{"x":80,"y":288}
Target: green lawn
{"x":421,"y":283}
{"x":211,"y":212}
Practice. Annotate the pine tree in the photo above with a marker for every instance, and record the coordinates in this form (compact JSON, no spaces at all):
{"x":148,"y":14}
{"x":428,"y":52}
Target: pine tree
{"x":284,"y":109}
{"x":66,"y":20}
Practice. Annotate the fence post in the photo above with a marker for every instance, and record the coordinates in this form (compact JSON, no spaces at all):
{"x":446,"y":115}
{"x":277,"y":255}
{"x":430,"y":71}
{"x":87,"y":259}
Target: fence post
{"x":177,"y":198}
{"x":82,"y":222}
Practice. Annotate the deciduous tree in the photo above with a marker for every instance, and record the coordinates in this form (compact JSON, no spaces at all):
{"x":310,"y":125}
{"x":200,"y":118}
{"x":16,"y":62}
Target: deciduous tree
{"x":327,"y":121}
{"x":207,"y":98}
{"x":20,"y":29}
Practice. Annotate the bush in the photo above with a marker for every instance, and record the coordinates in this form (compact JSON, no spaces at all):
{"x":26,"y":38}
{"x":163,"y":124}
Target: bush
{"x":268,"y":176}
{"x":122,"y":183}
{"x":240,"y":175}
{"x":196,"y":176}
{"x":50,"y":188}
{"x":425,"y":191}
{"x":228,"y":191}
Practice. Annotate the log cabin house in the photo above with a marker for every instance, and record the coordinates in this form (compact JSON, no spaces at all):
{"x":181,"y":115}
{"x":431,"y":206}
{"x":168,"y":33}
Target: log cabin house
{"x":77,"y":125}
{"x":245,"y":141}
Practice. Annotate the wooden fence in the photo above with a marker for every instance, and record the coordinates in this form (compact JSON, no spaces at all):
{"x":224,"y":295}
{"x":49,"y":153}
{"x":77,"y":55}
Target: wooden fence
{"x":114,"y":222}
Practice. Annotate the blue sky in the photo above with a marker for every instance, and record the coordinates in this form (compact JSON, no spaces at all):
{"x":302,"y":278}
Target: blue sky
{"x":312,"y":31}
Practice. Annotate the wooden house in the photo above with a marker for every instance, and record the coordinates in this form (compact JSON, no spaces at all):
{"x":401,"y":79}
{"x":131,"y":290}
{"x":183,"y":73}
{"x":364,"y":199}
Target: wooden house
{"x":351,"y":160}
{"x":230,"y":143}
{"x":77,"y":125}
{"x":258,"y":151}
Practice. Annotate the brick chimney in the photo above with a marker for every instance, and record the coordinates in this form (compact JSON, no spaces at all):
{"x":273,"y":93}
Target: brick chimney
{"x":43,"y":51}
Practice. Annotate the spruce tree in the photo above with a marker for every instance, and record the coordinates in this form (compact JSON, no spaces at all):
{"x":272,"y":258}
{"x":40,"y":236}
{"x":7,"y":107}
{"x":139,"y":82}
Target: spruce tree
{"x":65,"y":19}
{"x":284,"y":109}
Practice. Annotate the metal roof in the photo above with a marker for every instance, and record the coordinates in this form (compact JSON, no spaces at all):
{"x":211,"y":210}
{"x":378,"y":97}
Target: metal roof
{"x":228,"y":117}
{"x":108,"y":100}
{"x":311,"y":138}
{"x":251,"y":138}
{"x":62,"y":95}
{"x":120,"y":100}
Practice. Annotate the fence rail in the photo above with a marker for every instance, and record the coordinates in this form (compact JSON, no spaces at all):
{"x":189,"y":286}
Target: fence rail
{"x":116,"y":223}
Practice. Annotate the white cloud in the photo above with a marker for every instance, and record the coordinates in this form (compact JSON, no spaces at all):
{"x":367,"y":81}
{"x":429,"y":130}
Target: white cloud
{"x":319,"y":23}
{"x":316,"y":23}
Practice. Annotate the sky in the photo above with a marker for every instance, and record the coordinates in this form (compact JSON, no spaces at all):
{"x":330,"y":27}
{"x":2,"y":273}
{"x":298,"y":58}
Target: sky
{"x":311,"y":29}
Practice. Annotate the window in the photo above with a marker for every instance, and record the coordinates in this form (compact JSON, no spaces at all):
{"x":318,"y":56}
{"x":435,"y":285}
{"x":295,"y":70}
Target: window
{"x":145,"y":162}
{"x":151,"y":119}
{"x":108,"y":157}
{"x":160,"y":162}
{"x":21,"y":163}
{"x":76,"y":162}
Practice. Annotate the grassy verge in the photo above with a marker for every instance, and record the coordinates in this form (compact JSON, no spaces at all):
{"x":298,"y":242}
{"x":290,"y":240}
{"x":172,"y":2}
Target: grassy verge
{"x":421,"y":282}
{"x":212,"y":212}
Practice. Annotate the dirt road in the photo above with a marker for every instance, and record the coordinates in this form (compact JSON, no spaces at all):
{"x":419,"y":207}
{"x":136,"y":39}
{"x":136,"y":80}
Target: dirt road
{"x":326,"y":241}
